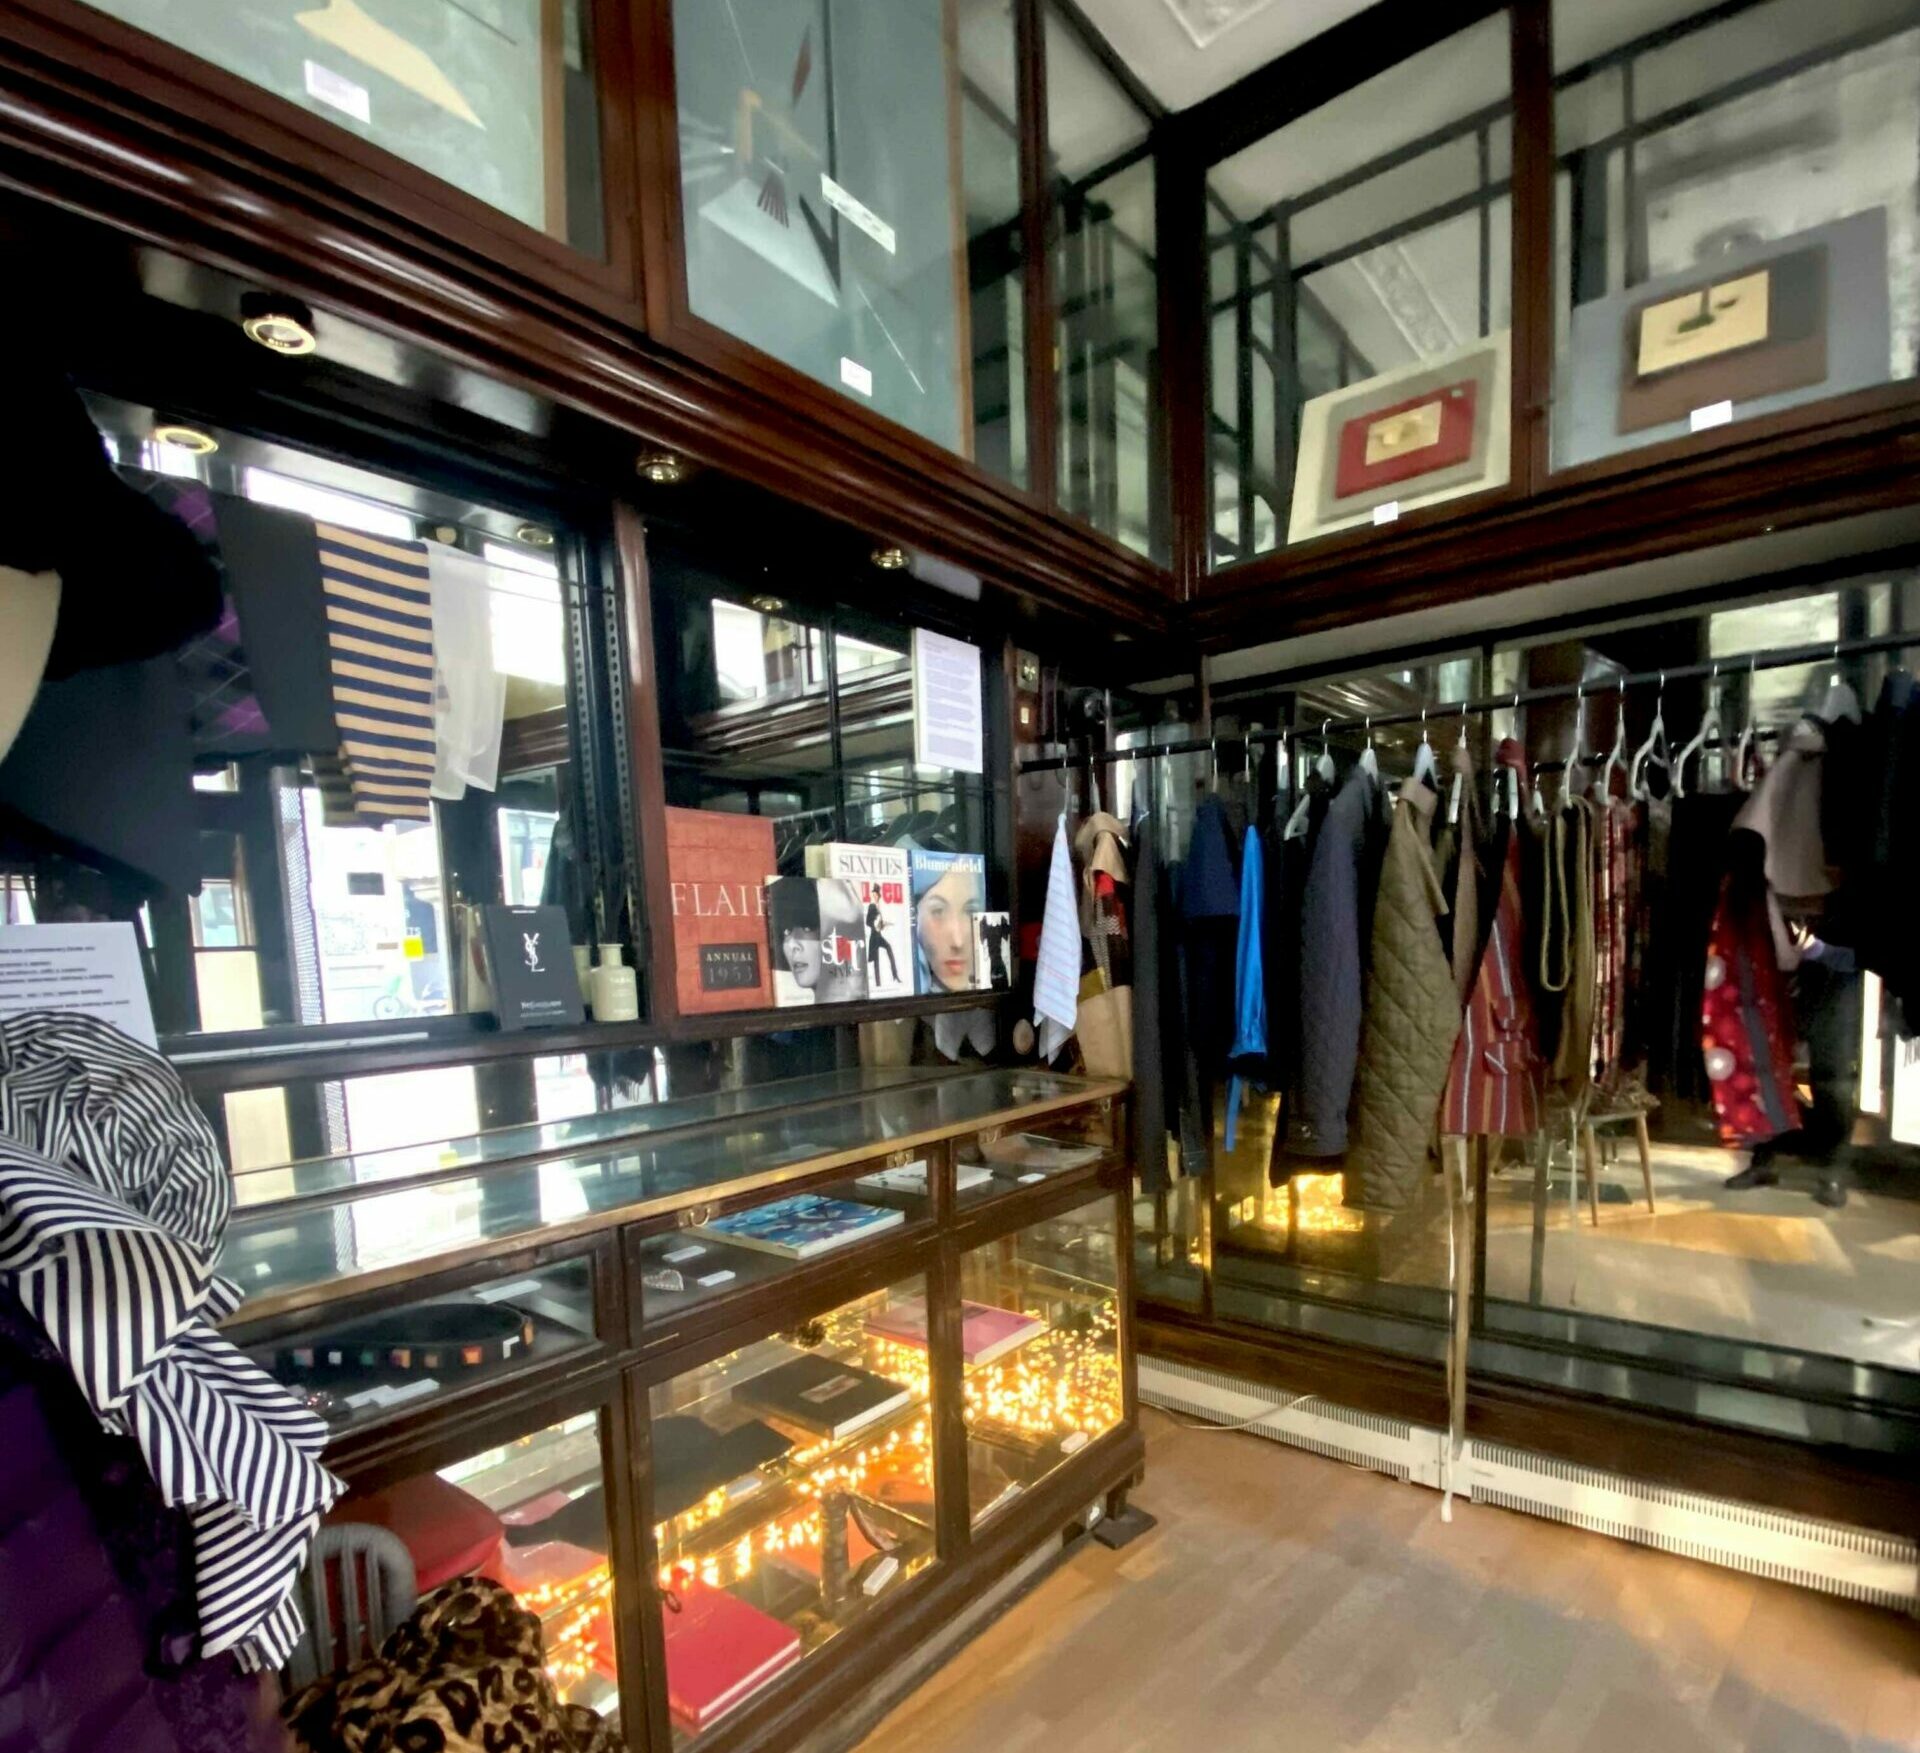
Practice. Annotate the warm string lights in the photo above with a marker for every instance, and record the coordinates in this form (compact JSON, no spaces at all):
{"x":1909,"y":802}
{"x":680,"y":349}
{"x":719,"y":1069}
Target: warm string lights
{"x":1061,"y":1383}
{"x":1314,"y":1204}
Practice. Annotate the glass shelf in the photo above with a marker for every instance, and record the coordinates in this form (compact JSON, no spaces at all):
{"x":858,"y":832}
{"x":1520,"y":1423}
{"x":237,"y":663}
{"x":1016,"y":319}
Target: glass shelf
{"x":793,"y":1494}
{"x":1041,"y":1325}
{"x":272,"y":1253}
{"x":530,"y":1514}
{"x":369,"y":1367}
{"x":1002,"y":1160}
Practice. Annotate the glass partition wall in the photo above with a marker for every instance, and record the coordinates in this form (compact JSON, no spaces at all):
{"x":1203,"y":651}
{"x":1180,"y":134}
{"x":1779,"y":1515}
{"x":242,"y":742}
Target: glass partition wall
{"x":1626,"y":1250}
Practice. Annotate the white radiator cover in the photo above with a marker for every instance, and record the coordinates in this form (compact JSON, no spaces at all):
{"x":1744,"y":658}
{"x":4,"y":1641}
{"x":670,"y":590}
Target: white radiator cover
{"x":1882,"y":1569}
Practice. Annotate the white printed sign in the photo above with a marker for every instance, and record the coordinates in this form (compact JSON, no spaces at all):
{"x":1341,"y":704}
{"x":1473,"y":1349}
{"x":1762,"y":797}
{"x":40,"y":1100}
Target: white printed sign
{"x":94,"y":969}
{"x":949,"y":717}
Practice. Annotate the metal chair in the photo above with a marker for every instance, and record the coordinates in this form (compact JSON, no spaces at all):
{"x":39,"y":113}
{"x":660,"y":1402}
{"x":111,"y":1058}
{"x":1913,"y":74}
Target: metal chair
{"x":358,"y":1588}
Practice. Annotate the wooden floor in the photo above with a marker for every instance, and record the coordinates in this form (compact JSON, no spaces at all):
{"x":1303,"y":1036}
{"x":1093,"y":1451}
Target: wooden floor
{"x":1289,"y":1602}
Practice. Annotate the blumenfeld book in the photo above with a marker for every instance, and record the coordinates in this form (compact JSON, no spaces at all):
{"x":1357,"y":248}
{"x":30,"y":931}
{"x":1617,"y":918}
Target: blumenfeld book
{"x":879,"y":879}
{"x":718,"y":866}
{"x":949,"y":893}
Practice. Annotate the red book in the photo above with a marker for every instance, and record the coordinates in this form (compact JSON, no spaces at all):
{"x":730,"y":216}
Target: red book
{"x":720,"y":1651}
{"x":985,"y":1332}
{"x":718,"y":865}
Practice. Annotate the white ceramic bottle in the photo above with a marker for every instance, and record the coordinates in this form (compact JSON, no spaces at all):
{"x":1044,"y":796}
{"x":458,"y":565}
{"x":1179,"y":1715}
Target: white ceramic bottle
{"x":616,"y":988}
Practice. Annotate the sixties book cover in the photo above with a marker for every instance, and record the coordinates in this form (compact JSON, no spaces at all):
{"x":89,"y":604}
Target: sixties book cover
{"x":879,"y":879}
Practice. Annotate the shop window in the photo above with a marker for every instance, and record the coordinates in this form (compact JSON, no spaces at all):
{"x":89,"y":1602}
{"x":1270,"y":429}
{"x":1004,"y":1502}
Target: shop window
{"x":1106,"y":293}
{"x":1360,"y":266}
{"x":1735,"y":212}
{"x":497,"y":99}
{"x":849,"y":175}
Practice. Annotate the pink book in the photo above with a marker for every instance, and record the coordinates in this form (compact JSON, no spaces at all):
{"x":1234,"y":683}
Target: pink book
{"x":720,"y":1651}
{"x":985,"y":1332}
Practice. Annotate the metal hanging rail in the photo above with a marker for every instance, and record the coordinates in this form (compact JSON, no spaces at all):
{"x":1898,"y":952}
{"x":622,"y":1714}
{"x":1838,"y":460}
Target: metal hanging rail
{"x":1786,"y":657}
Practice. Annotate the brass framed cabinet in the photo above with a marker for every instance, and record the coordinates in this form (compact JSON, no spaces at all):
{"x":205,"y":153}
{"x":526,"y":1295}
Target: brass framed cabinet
{"x":744,"y":1397}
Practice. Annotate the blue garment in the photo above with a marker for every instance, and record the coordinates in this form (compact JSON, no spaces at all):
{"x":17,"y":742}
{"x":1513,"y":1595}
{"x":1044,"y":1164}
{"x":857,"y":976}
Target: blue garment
{"x":1249,"y":978}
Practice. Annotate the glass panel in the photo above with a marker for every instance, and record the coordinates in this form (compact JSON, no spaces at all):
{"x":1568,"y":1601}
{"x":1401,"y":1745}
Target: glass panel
{"x":364,"y":1369}
{"x":269,"y":1250}
{"x":685,"y":1271}
{"x":1736,"y":197}
{"x":532,"y":1515}
{"x":990,"y":1164}
{"x":375,"y":739}
{"x":1041,"y":1334}
{"x":793,"y":1489}
{"x":1360,"y":262}
{"x":496,"y":97}
{"x":1106,"y":285}
{"x":850,"y":181}
{"x":1169,"y":1251}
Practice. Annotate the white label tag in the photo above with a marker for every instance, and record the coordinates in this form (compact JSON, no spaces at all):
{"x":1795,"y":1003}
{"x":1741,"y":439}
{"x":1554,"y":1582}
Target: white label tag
{"x":1028,"y":1180}
{"x":339,"y":92}
{"x":692,"y":1251}
{"x":859,"y":213}
{"x":384,"y":1396}
{"x":1713,"y":414}
{"x":712,"y":1278}
{"x":856,"y":376}
{"x":1388,"y":513}
{"x":498,"y":1293}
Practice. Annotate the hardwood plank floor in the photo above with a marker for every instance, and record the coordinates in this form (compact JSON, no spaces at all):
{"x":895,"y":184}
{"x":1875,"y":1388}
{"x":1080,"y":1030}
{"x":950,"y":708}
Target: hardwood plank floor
{"x":1287,"y":1601}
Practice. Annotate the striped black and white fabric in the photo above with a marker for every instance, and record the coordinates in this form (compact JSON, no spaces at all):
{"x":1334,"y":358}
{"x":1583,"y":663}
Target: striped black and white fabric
{"x":113,"y":1203}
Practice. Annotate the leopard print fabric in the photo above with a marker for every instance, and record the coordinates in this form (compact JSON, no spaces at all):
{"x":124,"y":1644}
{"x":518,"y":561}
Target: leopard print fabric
{"x":465,"y":1674}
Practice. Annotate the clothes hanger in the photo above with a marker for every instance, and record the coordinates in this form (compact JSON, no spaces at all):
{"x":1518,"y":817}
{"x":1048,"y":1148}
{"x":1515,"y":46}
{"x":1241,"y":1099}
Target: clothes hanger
{"x":1459,"y":774}
{"x":1575,"y":776}
{"x":1841,"y":701}
{"x":1369,"y":761}
{"x":1506,"y":780}
{"x":1617,"y":755}
{"x":1743,"y":753}
{"x":1709,"y":731}
{"x":1299,"y":823}
{"x":1654,"y":751}
{"x":1324,"y":766}
{"x":1424,"y":765}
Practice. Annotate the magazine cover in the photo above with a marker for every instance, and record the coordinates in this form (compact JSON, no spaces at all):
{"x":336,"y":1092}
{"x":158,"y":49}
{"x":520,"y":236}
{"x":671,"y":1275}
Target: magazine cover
{"x":993,"y":952}
{"x":878,"y":876}
{"x":949,"y":892}
{"x":718,"y":865}
{"x":800,"y":1227}
{"x":816,"y":940}
{"x":986,"y":1332}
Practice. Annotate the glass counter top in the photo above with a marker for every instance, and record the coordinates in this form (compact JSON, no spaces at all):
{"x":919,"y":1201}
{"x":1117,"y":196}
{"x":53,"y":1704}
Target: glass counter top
{"x":300,"y":1257}
{"x":323,"y":1180}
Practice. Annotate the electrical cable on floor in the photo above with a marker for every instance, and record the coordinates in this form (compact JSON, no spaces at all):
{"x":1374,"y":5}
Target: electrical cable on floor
{"x":1245,"y":1424}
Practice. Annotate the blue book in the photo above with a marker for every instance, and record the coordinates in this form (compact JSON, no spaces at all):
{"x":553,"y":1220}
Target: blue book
{"x":800,"y":1227}
{"x":949,"y":895}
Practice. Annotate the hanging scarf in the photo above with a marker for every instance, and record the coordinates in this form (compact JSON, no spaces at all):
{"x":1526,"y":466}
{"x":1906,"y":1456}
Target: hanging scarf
{"x":113,"y":1203}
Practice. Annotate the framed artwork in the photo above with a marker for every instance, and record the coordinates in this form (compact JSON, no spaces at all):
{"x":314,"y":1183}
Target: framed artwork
{"x":1734,"y":336}
{"x":1418,"y":434}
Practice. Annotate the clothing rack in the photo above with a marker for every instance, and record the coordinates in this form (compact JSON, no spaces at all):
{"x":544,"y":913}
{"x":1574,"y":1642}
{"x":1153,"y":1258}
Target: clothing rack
{"x":1785,"y":657}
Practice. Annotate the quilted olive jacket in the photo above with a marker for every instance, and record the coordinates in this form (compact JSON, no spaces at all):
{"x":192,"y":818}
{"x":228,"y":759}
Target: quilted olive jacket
{"x":1413,"y":1017}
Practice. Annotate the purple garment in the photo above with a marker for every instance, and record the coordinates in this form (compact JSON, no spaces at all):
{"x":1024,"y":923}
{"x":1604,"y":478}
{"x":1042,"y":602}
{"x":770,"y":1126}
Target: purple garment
{"x":97,"y":1621}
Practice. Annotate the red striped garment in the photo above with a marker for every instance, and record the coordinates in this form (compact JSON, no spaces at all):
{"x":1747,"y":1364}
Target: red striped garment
{"x":1493,"y":1086}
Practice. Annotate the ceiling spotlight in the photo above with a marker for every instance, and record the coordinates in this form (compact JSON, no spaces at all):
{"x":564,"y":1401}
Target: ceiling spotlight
{"x":533,"y":536}
{"x":890,"y":559}
{"x":446,"y":534}
{"x":765,"y":605}
{"x":279,"y":324}
{"x":661,"y":467}
{"x":188,"y":438}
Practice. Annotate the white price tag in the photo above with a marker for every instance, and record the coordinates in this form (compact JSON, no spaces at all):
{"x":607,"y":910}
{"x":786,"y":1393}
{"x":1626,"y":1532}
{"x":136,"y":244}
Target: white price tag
{"x":692,"y":1251}
{"x":1028,"y":1180}
{"x":1388,"y":513}
{"x":384,"y":1396}
{"x":856,"y":376}
{"x":1712,"y":415}
{"x":339,"y":92}
{"x":713,"y":1278}
{"x":498,"y":1293}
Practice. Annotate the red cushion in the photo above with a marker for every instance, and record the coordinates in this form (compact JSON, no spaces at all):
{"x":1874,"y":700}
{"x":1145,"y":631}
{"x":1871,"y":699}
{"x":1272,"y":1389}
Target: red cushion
{"x":450,"y":1532}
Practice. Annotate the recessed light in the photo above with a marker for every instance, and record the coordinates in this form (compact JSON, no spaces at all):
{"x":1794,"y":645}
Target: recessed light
{"x":446,"y":534}
{"x":281,"y":325}
{"x":890,"y":559}
{"x":661,"y":467}
{"x":188,"y":438}
{"x":764,"y":605}
{"x":533,"y":536}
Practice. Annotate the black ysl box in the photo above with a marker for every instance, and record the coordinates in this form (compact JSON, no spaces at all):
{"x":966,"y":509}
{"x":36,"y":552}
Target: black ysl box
{"x":535,"y":985}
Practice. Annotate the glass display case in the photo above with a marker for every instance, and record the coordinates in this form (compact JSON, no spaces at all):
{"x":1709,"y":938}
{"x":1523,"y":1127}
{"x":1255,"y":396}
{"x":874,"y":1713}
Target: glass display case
{"x":849,"y":180}
{"x":792,"y":1488}
{"x":531,"y":1514}
{"x":1361,"y":267}
{"x":989,"y":1165}
{"x":1040,"y":1340}
{"x":360,"y":1367}
{"x":1735,"y":199}
{"x":495,"y":97}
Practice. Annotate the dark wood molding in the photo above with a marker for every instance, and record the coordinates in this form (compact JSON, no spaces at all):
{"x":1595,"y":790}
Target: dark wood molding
{"x":1533,"y":242}
{"x":1856,"y":1490}
{"x":1036,"y":252}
